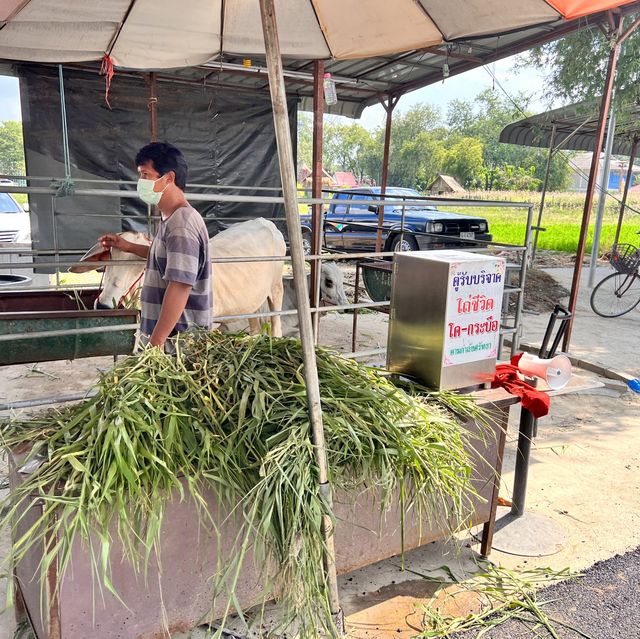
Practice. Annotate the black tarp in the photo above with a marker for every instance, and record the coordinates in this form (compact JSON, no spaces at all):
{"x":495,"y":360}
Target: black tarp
{"x":227,"y":138}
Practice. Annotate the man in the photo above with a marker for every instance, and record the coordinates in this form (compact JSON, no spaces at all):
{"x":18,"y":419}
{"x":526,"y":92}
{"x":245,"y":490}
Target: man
{"x":176,"y":293}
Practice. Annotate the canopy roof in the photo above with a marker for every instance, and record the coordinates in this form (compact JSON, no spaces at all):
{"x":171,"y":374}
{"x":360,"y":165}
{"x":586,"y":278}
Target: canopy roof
{"x":373,"y":47}
{"x":576,"y":126}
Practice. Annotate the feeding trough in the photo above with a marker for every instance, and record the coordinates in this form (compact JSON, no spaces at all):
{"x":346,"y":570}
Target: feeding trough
{"x":41,"y":337}
{"x":42,"y":326}
{"x":14,"y":280}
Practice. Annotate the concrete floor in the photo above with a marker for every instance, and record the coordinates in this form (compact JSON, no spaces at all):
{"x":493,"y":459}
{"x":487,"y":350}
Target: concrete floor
{"x":584,"y":474}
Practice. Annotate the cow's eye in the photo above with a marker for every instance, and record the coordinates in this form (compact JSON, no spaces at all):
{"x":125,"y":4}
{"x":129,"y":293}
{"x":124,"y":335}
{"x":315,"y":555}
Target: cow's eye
{"x":329,"y":282}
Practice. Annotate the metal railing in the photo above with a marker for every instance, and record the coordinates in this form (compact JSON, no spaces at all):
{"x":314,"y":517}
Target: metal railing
{"x":404,"y":202}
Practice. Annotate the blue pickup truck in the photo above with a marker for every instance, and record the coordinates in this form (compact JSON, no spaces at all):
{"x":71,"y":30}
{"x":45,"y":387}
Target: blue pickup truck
{"x":352,"y":226}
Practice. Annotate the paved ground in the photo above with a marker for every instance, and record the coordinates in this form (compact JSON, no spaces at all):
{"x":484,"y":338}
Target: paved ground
{"x":585,"y":467}
{"x":603,"y":604}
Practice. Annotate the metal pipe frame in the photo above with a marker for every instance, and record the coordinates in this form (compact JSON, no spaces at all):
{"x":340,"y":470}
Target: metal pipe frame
{"x":316,"y":188}
{"x":627,"y":185}
{"x":388,"y":107}
{"x":547,"y":171}
{"x":615,"y":37}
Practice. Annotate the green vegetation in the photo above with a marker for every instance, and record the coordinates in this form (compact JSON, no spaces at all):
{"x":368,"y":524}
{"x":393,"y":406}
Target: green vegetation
{"x":504,"y":595}
{"x":561,"y":219}
{"x":577,"y":65}
{"x":424,"y":143}
{"x":11,"y":149}
{"x":228,"y":415}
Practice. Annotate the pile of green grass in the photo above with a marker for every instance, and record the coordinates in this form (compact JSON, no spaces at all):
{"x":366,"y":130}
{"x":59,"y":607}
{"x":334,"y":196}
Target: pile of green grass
{"x":228,"y":413}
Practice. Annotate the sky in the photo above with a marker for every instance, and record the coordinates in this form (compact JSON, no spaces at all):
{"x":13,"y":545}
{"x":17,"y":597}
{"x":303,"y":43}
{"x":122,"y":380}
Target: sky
{"x":465,"y":87}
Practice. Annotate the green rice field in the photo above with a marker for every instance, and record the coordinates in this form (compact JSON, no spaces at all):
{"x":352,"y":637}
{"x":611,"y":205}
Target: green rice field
{"x":561,"y":218}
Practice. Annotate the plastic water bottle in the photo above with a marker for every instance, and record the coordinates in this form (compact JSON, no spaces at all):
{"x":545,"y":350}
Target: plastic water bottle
{"x":330,"y":95}
{"x":634,"y":385}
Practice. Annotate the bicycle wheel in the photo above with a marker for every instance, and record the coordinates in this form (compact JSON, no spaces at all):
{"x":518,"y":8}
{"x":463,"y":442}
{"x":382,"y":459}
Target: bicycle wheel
{"x":616,"y":294}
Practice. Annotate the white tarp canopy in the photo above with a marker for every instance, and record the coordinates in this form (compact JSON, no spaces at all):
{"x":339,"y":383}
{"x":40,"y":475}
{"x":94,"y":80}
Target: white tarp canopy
{"x":163,"y":34}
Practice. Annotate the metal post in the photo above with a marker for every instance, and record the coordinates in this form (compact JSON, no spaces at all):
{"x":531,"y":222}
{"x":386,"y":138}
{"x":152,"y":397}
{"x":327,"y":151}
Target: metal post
{"x":602,"y":196}
{"x":515,"y":339}
{"x":316,"y":188}
{"x":544,"y":193}
{"x":527,"y":426}
{"x":627,"y":186}
{"x":593,"y":175}
{"x":153,"y":108}
{"x":389,"y":107}
{"x":289,"y":191}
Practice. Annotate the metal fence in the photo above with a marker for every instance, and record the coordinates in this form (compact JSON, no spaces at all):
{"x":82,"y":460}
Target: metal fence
{"x":517,"y":255}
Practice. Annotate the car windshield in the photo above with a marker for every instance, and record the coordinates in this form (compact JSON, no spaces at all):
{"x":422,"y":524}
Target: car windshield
{"x":8,"y":204}
{"x":409,"y":194}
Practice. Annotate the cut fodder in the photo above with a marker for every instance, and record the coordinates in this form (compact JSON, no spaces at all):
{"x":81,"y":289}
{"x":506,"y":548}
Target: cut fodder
{"x":501,"y":595}
{"x":229,"y":413}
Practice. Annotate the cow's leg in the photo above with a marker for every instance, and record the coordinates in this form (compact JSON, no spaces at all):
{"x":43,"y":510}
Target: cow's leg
{"x":254,"y":326}
{"x":275,"y":304}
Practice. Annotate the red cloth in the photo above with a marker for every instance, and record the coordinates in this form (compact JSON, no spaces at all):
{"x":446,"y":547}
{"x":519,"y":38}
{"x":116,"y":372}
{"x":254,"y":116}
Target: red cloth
{"x":507,"y":377}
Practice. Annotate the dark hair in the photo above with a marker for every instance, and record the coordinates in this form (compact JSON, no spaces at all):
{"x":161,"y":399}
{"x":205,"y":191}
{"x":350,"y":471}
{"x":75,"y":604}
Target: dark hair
{"x":165,"y":157}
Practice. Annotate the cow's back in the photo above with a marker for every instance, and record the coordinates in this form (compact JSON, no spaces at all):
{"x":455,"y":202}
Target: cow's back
{"x":246,"y":285}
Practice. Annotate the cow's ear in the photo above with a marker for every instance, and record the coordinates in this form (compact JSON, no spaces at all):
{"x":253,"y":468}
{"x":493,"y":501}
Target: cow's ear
{"x":91,"y":260}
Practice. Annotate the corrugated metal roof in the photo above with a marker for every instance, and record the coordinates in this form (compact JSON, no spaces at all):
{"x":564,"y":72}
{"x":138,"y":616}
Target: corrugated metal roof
{"x":363,"y":82}
{"x":576,"y":126}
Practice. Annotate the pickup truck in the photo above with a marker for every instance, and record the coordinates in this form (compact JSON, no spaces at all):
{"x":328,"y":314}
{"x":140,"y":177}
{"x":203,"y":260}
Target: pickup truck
{"x":351,"y":226}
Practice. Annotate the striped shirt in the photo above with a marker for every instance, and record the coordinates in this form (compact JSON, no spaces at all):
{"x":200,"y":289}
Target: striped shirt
{"x":179,"y":253}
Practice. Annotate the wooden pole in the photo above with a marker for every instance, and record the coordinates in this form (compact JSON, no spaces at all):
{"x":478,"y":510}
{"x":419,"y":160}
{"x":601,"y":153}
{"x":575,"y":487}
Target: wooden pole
{"x":289,"y":190}
{"x":316,"y":187}
{"x":389,"y":107}
{"x":627,"y":185}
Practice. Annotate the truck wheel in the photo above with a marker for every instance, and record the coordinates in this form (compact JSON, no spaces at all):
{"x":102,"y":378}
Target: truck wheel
{"x":403,"y":243}
{"x":306,"y":242}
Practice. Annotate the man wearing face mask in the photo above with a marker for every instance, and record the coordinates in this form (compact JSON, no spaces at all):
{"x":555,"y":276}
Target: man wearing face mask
{"x":176,"y":293}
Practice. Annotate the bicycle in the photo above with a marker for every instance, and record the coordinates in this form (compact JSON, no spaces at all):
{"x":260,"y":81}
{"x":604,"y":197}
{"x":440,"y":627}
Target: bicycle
{"x":619,"y":292}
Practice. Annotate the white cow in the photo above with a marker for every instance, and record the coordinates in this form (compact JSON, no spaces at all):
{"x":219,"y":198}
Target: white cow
{"x":331,"y":294}
{"x":238,"y":287}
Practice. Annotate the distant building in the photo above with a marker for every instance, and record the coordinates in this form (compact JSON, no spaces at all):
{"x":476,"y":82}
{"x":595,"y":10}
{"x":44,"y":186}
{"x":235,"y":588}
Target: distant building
{"x":345,"y":179}
{"x":445,"y":184}
{"x":581,"y":165}
{"x":305,"y":178}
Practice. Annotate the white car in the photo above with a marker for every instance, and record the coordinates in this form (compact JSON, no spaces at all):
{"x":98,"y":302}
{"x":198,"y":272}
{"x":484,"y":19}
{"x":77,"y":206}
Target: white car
{"x":14,"y":221}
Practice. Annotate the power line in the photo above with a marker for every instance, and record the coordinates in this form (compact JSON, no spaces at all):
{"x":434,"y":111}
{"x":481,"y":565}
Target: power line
{"x":564,"y":158}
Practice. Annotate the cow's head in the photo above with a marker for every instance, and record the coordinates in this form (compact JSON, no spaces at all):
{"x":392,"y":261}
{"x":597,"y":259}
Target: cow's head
{"x":120,"y":281}
{"x":332,"y":285}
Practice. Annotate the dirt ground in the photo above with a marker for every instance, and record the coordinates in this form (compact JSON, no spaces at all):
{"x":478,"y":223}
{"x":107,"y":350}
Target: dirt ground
{"x":584,"y":473}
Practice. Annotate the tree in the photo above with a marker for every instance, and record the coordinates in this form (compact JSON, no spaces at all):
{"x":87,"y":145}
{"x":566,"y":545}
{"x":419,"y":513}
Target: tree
{"x":11,"y":148}
{"x":464,"y":161}
{"x":577,"y":65}
{"x":346,"y":147}
{"x":483,"y":120}
{"x":305,"y":140}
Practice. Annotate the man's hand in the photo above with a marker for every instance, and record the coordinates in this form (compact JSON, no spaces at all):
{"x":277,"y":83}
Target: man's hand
{"x":113,"y":240}
{"x":175,"y":300}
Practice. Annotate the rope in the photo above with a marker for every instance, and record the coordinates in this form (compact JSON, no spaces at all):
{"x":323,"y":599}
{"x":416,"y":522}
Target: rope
{"x":67,"y":185}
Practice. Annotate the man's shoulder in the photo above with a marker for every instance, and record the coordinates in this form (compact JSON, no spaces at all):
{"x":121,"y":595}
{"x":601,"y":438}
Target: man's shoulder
{"x":187,"y":217}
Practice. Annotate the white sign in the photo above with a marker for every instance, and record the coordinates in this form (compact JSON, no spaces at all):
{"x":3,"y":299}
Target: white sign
{"x":474,"y":301}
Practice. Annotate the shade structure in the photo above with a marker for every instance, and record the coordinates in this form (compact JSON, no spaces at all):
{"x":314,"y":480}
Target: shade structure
{"x":162,"y":34}
{"x":575,"y":128}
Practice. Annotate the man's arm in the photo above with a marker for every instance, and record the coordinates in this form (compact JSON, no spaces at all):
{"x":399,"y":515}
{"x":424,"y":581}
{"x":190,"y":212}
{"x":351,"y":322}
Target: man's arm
{"x":116,"y":241}
{"x":173,"y":305}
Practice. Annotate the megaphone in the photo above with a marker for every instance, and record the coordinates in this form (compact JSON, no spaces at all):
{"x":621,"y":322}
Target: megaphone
{"x":556,"y":371}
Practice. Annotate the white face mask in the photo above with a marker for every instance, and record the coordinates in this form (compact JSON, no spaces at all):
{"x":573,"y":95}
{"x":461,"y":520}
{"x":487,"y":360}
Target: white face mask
{"x":146,"y":192}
